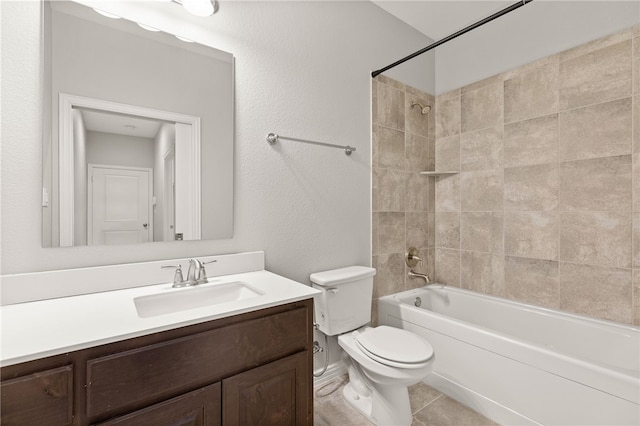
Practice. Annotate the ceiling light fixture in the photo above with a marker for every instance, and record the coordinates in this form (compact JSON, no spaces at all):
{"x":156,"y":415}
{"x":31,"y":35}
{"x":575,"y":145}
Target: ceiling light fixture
{"x":186,"y":40}
{"x":107,"y":14}
{"x":199,"y":7}
{"x":147,"y":27}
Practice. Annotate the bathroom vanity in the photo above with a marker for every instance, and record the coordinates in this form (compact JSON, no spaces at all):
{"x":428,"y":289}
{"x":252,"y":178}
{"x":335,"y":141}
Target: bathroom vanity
{"x":241,"y":362}
{"x":257,"y":365}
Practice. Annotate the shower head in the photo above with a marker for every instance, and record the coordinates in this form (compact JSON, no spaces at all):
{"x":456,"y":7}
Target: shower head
{"x":424,"y":109}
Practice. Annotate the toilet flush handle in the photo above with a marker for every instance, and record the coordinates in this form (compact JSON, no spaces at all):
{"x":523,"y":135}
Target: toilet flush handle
{"x":332,"y":290}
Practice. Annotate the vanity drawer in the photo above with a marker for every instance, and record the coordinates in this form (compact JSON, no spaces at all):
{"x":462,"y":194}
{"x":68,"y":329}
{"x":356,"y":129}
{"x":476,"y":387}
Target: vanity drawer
{"x":48,"y":394}
{"x":198,"y":408}
{"x":135,"y":378}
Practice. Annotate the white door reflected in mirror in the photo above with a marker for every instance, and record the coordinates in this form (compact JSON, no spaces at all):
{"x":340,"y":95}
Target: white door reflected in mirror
{"x":120,"y":205}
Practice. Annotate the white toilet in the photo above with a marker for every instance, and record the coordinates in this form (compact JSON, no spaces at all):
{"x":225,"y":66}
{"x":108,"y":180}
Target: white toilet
{"x":383,"y":361}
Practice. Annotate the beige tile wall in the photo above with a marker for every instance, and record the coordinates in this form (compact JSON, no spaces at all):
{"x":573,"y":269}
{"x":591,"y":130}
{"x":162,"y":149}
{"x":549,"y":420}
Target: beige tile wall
{"x":403,"y":200}
{"x":546,"y":207}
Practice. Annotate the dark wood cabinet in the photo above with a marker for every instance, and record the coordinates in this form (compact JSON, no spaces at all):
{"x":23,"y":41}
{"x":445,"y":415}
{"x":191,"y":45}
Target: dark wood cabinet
{"x":274,"y":394}
{"x":253,"y":368}
{"x":28,"y":399}
{"x":198,"y":408}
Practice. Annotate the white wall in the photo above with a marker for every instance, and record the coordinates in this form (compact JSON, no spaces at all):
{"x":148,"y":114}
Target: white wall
{"x":536,"y":30}
{"x":302,"y":69}
{"x":47,"y":172}
{"x":120,"y":150}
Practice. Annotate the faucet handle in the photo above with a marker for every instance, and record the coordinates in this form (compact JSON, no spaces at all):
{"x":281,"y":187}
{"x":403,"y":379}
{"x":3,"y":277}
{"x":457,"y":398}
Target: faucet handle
{"x":202,"y":273}
{"x":411,"y":257}
{"x":178,"y":279}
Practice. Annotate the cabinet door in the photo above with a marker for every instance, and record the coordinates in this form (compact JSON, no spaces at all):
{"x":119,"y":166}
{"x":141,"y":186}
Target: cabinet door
{"x":278,"y":393}
{"x":198,"y":408}
{"x":27,"y":400}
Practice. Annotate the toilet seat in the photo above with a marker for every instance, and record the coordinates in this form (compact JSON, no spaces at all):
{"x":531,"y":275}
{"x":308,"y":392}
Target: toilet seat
{"x":394,"y":347}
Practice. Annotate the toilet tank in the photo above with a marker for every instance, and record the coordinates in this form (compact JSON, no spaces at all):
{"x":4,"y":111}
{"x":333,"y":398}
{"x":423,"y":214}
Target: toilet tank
{"x":345,"y":300}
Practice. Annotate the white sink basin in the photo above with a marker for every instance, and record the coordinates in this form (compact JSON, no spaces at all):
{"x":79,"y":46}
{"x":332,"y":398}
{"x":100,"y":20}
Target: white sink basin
{"x":183,"y":299}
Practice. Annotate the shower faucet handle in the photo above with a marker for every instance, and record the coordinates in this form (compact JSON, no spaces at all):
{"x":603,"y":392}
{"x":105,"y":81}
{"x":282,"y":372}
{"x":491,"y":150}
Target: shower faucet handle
{"x":411,"y":258}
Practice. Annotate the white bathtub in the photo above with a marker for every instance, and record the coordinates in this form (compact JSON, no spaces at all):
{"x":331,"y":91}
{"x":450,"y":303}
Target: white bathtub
{"x":521,"y":364}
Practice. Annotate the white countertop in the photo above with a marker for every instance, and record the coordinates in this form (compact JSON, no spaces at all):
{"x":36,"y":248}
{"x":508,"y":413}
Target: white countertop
{"x":50,"y":327}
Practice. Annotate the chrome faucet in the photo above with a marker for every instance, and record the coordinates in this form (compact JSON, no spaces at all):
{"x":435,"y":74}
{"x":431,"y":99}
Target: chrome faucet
{"x":197,"y":274}
{"x":412,"y":260}
{"x":415,"y":274}
{"x":193,"y":273}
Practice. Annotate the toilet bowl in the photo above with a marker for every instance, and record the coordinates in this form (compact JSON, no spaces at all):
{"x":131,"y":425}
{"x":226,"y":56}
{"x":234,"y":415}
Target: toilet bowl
{"x":382,"y":361}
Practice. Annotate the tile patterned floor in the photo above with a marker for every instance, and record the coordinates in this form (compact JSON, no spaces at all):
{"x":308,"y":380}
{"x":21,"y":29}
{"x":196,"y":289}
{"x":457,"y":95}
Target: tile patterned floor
{"x":430,"y":408}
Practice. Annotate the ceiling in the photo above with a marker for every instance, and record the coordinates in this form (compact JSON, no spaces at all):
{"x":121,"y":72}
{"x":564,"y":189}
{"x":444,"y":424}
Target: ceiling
{"x":438,"y":19}
{"x":537,"y":30}
{"x":106,"y":122}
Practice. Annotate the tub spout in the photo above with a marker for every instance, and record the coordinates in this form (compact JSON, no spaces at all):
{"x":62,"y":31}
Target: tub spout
{"x":413,"y":273}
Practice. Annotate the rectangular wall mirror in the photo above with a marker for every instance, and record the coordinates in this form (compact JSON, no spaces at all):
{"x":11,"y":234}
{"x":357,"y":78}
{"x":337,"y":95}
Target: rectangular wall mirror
{"x":138,"y":133}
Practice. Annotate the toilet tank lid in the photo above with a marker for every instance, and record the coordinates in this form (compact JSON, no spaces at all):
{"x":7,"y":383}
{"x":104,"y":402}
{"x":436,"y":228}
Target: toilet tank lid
{"x":342,"y":275}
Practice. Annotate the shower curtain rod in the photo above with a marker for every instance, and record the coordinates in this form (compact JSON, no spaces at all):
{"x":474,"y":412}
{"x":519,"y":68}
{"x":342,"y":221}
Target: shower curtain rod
{"x":454,"y":35}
